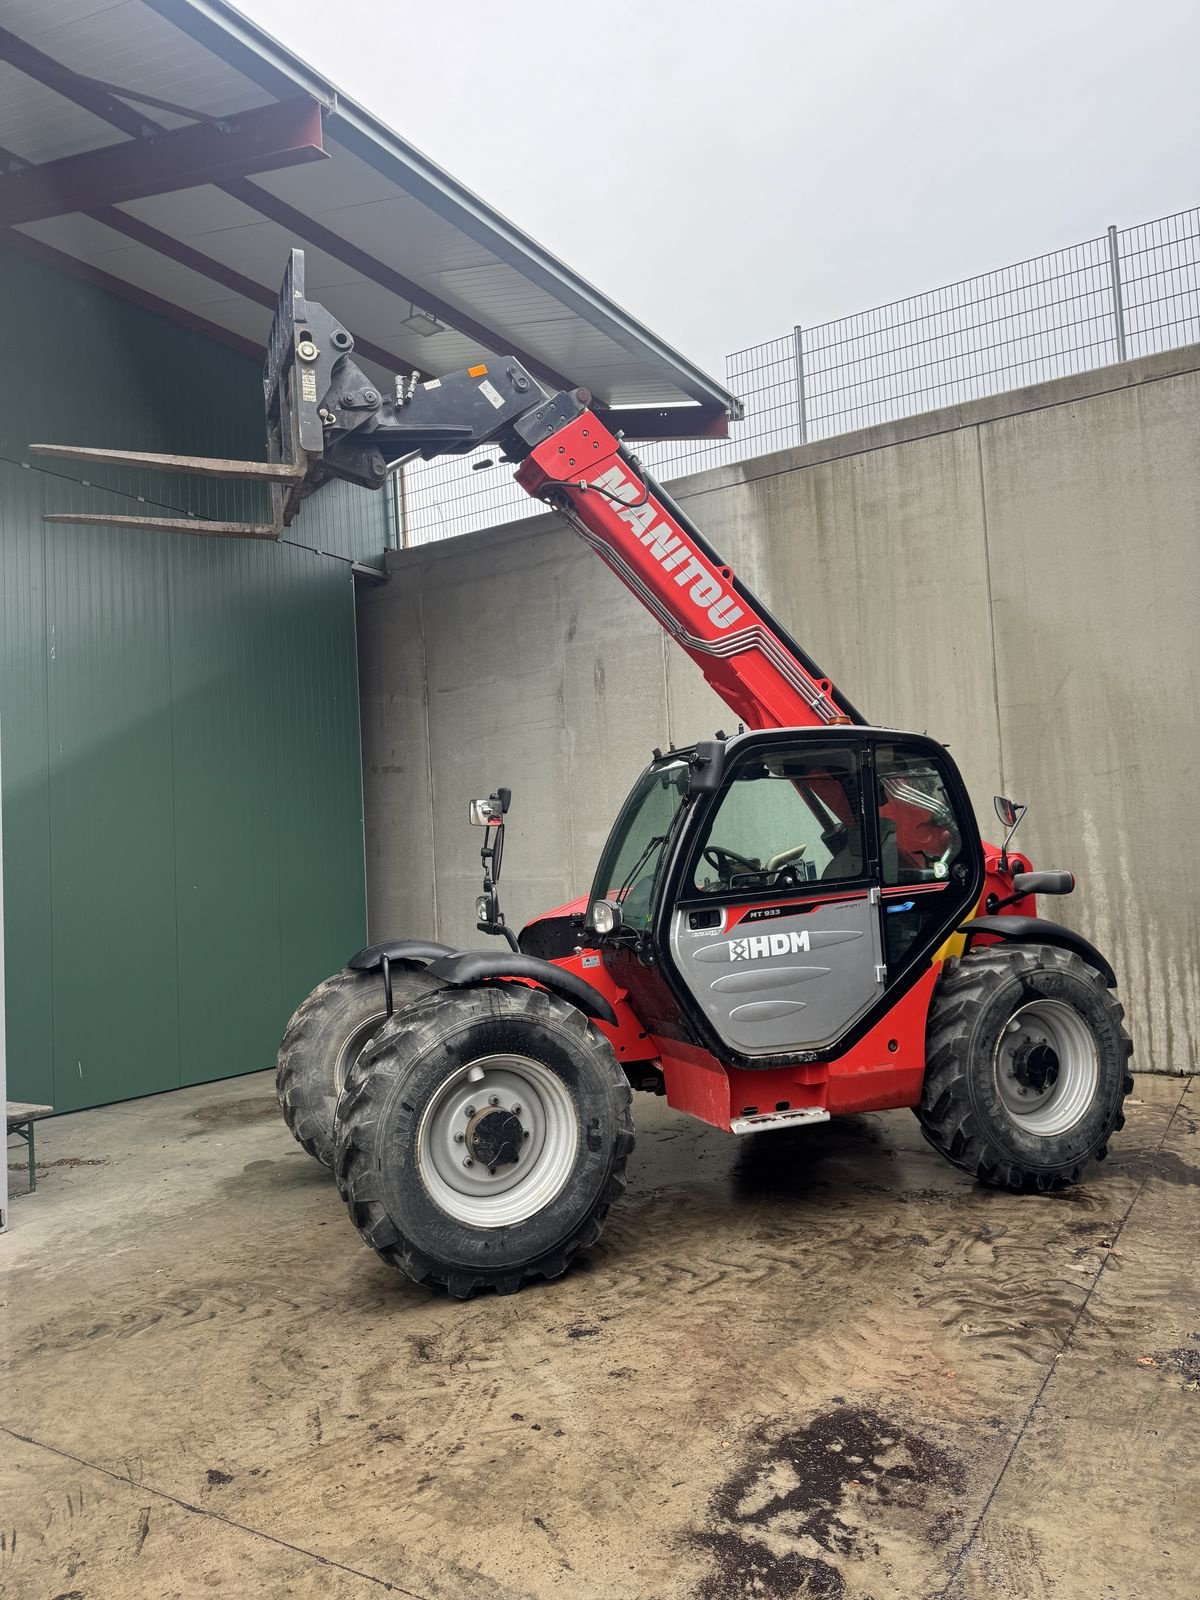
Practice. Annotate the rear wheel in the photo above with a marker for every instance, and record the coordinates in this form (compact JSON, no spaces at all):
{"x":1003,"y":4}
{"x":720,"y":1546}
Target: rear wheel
{"x":324,"y":1038}
{"x":481,"y":1142}
{"x":1027,"y":1066}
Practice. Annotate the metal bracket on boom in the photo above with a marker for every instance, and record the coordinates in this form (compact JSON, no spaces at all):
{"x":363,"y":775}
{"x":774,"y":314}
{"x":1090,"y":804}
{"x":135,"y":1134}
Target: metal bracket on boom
{"x":326,"y":419}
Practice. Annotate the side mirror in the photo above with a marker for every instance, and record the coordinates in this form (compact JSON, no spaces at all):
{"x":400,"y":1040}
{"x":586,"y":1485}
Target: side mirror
{"x":706,"y":767}
{"x":489,"y":814}
{"x":605,"y":916}
{"x":1010,"y":813}
{"x":486,"y":813}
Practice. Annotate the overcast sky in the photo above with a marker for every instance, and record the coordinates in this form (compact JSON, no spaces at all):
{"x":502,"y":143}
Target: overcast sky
{"x":726,"y":170}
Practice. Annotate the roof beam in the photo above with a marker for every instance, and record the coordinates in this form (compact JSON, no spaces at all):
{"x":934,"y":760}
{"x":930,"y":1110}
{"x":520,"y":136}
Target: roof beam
{"x":264,"y":140}
{"x":37,"y":64}
{"x":26,"y":245}
{"x":165,"y":244}
{"x":95,"y":98}
{"x":244,"y":45}
{"x":665,"y":422}
{"x":352,"y":255}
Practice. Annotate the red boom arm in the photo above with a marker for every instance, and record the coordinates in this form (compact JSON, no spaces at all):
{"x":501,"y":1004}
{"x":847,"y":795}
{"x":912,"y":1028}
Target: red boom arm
{"x":762,"y":675}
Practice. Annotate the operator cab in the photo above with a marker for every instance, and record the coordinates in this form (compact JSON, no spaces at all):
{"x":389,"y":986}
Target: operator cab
{"x":773,"y":893}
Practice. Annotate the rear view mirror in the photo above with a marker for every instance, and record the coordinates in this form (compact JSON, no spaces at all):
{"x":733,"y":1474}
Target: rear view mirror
{"x":1010,"y":813}
{"x":490,"y":813}
{"x":706,"y":767}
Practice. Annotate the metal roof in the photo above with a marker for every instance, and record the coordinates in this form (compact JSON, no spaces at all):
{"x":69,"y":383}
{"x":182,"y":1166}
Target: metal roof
{"x":192,"y":152}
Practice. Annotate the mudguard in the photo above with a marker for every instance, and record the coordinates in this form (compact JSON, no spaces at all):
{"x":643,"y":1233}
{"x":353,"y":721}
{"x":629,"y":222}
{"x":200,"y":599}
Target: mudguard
{"x":1036,"y":930}
{"x":421,"y":950}
{"x":476,"y":966}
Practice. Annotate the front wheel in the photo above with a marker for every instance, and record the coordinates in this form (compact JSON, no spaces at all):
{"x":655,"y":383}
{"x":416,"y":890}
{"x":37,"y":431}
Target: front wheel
{"x":1027,"y":1066}
{"x":481,"y":1142}
{"x":324,"y":1039}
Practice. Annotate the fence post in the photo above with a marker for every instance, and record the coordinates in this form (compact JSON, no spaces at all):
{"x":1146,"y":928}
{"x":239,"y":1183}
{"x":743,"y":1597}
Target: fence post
{"x":798,"y":359}
{"x":400,"y":507}
{"x":1114,"y":273}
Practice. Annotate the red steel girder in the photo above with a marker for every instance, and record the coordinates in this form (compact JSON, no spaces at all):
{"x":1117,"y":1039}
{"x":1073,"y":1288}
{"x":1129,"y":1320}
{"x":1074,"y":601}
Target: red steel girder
{"x":262,"y":140}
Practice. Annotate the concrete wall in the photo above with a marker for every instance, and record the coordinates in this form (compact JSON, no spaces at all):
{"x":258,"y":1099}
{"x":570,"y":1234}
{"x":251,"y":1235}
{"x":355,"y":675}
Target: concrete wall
{"x":1020,"y":575}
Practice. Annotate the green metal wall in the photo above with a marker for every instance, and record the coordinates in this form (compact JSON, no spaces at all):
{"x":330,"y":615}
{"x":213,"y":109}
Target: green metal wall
{"x":179,"y":717}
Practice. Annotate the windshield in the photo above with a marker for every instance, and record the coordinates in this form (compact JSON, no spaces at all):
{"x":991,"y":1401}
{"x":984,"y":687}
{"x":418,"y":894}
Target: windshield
{"x":628,"y":869}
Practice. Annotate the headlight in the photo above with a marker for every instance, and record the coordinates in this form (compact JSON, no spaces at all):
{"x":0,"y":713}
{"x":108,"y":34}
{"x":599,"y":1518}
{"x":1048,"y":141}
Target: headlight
{"x":604,"y":916}
{"x":483,"y":909}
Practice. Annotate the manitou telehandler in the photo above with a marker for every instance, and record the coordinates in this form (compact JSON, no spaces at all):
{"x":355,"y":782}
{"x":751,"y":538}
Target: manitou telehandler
{"x":786,"y":925}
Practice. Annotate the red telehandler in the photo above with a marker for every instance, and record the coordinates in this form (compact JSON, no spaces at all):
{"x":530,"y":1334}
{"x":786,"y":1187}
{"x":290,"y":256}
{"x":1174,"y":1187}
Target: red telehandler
{"x":789,"y":924}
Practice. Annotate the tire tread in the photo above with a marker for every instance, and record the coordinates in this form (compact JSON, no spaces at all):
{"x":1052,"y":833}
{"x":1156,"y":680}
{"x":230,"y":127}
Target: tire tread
{"x":376,"y":1074}
{"x":947,"y":1114}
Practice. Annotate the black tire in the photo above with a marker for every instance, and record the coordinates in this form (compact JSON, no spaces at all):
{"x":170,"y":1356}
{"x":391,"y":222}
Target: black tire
{"x":326,"y":1033}
{"x":401,"y":1108}
{"x":1013,"y":1113}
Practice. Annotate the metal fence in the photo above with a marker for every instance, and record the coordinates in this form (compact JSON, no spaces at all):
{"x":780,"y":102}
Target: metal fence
{"x":1128,"y":292}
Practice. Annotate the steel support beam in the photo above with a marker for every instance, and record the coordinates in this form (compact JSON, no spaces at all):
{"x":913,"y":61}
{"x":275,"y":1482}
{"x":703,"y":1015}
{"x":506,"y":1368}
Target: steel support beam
{"x":264,"y":140}
{"x":638,"y":422}
{"x":165,"y":244}
{"x":97,"y":99}
{"x":299,"y":225}
{"x":24,"y":244}
{"x":664,"y":422}
{"x":35,"y":63}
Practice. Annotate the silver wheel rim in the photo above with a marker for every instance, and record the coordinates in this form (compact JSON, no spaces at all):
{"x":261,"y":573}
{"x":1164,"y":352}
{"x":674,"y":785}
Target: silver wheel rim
{"x":353,"y":1047}
{"x":459,"y":1180}
{"x":1040,"y":1098}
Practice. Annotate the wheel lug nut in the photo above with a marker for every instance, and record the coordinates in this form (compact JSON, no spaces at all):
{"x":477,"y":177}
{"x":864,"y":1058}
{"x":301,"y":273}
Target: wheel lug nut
{"x":468,"y":1162}
{"x":493,"y":1099}
{"x":468,"y":1111}
{"x":516,"y":1111}
{"x":524,"y":1133}
{"x":460,"y":1138}
{"x":491,"y":1172}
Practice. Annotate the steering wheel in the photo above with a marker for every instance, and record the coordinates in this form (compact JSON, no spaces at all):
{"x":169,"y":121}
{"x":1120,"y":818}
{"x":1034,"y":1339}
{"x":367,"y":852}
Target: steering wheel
{"x":727,"y":862}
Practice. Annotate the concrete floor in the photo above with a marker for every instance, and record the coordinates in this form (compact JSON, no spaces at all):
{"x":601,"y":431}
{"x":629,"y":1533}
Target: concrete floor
{"x":816,"y":1364}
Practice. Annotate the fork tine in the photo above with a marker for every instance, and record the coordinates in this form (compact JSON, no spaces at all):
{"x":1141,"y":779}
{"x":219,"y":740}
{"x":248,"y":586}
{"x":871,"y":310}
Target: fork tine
{"x":201,"y":466}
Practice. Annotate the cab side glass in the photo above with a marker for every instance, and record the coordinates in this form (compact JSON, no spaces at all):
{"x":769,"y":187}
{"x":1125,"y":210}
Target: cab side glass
{"x":790,"y":817}
{"x":921,"y":846}
{"x":918,"y":833}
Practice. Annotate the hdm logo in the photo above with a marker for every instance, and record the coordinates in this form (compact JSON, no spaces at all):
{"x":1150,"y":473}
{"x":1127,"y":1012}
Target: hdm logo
{"x":669,"y":549}
{"x":768,"y":944}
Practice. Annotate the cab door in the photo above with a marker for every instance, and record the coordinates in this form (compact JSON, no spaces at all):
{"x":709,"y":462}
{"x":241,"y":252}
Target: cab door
{"x":776,"y":926}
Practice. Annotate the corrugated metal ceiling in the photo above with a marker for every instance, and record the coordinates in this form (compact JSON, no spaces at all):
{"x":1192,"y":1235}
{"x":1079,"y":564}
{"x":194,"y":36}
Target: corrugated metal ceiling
{"x":383,"y":229}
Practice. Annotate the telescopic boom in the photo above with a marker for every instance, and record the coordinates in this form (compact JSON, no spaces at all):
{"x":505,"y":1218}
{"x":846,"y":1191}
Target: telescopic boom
{"x":326,"y":419}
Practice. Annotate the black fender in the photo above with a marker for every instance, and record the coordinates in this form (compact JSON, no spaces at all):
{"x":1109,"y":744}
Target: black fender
{"x":476,"y":966}
{"x":420,"y":950}
{"x":1036,"y":930}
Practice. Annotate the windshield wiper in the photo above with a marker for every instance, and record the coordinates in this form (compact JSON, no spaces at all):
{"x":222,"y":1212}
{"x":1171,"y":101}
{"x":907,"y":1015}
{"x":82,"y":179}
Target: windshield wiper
{"x":658,"y":839}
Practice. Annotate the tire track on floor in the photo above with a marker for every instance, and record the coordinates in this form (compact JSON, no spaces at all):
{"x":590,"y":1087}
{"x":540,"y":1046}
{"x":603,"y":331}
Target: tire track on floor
{"x":969,"y":1543}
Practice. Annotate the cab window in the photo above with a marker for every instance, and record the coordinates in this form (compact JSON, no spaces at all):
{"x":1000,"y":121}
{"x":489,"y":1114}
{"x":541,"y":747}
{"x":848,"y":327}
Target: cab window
{"x":920,"y":845}
{"x":788,"y":818}
{"x":918,"y":836}
{"x":633,"y":856}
